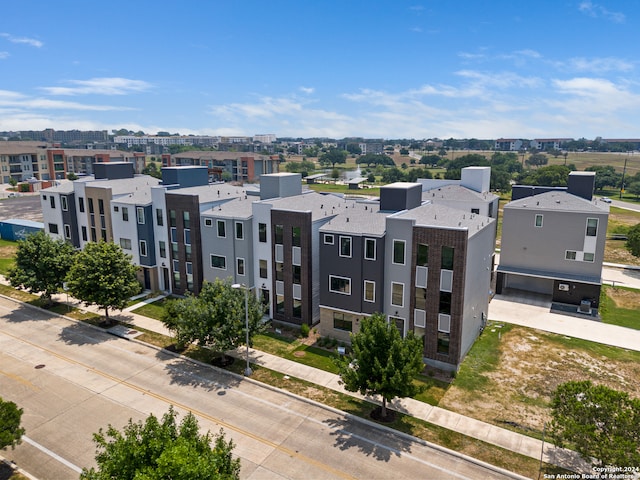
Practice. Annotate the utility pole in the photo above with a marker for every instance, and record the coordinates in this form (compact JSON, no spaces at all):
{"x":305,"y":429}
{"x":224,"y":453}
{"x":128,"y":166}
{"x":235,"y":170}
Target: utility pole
{"x":624,"y":171}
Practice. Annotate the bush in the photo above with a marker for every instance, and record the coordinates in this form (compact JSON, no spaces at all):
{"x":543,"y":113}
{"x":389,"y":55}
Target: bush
{"x":304,"y":330}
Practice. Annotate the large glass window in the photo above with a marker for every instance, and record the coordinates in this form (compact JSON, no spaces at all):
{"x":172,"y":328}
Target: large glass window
{"x":345,"y":246}
{"x":125,"y":243}
{"x":81,"y":204}
{"x":398,"y":252}
{"x":369,"y":249}
{"x":239,"y":230}
{"x":125,"y":214}
{"x":421,"y":298}
{"x":172,"y":218}
{"x":159,"y":219}
{"x":340,"y":322}
{"x":340,"y":285}
{"x":263,"y":269}
{"x":163,"y":249}
{"x":143,"y":248}
{"x":369,"y":291}
{"x":140,"y":215}
{"x":592,"y":227}
{"x":279,"y":234}
{"x":218,"y":261}
{"x":296,"y":240}
{"x":240,"y":266}
{"x":397,"y":294}
{"x":279,"y":271}
{"x":262,"y":232}
{"x":222,"y":232}
{"x":186,"y":220}
{"x":63,"y":202}
{"x":297,"y":274}
{"x":445,"y":303}
{"x":422,"y":255}
{"x":447,"y":258}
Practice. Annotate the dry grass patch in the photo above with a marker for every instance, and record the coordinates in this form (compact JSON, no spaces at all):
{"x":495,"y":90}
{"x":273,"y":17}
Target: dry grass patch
{"x":531,"y":364}
{"x":624,"y":298}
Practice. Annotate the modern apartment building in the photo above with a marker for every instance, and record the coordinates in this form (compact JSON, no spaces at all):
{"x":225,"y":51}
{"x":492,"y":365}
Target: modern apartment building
{"x":423,"y":260}
{"x":23,"y":161}
{"x":553,"y":242}
{"x":239,"y":166}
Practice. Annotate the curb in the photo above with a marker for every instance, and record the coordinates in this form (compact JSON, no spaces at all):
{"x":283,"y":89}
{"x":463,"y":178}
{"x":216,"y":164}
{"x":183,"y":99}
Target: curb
{"x":15,"y":468}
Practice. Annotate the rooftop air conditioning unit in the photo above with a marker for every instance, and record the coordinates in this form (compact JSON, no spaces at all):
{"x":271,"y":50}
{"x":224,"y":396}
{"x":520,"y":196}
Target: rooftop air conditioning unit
{"x":563,"y":287}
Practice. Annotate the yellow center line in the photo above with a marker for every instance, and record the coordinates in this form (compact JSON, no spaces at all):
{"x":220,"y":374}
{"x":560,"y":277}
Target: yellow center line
{"x":19,"y":379}
{"x":246,"y":433}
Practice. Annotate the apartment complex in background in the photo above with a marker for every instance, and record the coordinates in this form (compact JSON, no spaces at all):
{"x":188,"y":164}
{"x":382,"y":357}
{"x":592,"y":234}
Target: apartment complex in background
{"x":553,"y":243}
{"x":315,"y":259}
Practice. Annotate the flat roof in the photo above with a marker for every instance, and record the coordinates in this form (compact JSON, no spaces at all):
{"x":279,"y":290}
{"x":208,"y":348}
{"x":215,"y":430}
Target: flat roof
{"x":559,"y":201}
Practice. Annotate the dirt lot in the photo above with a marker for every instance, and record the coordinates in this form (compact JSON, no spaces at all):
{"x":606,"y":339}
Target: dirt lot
{"x":531,"y":364}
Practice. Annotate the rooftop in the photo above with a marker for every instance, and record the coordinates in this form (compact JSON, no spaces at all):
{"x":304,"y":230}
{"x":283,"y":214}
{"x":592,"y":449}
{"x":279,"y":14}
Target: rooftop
{"x":122,"y":186}
{"x":559,"y":201}
{"x":318,"y":204}
{"x":441,"y":216}
{"x":237,"y":208}
{"x":361,"y":218}
{"x":457,"y":193}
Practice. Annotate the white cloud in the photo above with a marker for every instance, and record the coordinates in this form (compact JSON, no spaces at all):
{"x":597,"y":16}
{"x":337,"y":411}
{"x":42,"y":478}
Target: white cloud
{"x":307,"y":90}
{"x":28,"y":41}
{"x":594,"y":10}
{"x":4,"y":55}
{"x":598,"y":65}
{"x":100,"y":86}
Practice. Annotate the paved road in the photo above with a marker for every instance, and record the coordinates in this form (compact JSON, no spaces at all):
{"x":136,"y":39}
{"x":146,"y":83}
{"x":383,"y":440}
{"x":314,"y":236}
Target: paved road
{"x":71,"y":380}
{"x":26,"y":207}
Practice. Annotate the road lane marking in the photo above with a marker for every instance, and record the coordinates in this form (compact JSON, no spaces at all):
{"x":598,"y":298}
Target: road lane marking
{"x":54,"y":455}
{"x":19,"y":379}
{"x":222,"y":423}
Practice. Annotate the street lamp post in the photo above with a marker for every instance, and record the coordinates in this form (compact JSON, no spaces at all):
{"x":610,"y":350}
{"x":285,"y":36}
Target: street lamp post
{"x":247,"y":370}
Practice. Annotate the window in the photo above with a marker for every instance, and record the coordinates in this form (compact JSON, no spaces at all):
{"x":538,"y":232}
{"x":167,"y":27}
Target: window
{"x":52,"y":201}
{"x":570,"y":255}
{"x":91,"y":205}
{"x":445,"y":303}
{"x":174,"y":234}
{"x":208,"y":222}
{"x":398,"y":252}
{"x":116,"y":208}
{"x":340,"y":285}
{"x":588,"y":257}
{"x":172,"y":218}
{"x":399,"y":323}
{"x":140,"y":215}
{"x":239,"y":231}
{"x":279,"y":271}
{"x":263,"y":268}
{"x":159,"y":219}
{"x":84,"y":233}
{"x":592,"y":227}
{"x":186,"y":220}
{"x":81,"y":204}
{"x":341,"y":323}
{"x":162,"y":246}
{"x":187,"y":237}
{"x":421,"y":298}
{"x":422,"y":255}
{"x":297,"y":308}
{"x":101,"y":206}
{"x":67,"y":230}
{"x":280,"y":304}
{"x":262,"y":232}
{"x":176,"y":265}
{"x":279,"y":234}
{"x":475,"y":210}
{"x":143,"y":248}
{"x":328,"y":239}
{"x":296,"y":270}
{"x":218,"y":261}
{"x":369,"y":249}
{"x":296,"y":236}
{"x":538,"y":220}
{"x":345,"y":246}
{"x":63,"y":202}
{"x":397,"y":294}
{"x":222,"y":232}
{"x":125,"y":214}
{"x":125,"y":243}
{"x":369,"y":291}
{"x":447,"y":258}
{"x":240,"y":266}
{"x":53,"y":228}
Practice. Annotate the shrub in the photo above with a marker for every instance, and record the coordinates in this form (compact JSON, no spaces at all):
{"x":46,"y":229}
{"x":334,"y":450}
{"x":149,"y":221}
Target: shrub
{"x":304,"y":330}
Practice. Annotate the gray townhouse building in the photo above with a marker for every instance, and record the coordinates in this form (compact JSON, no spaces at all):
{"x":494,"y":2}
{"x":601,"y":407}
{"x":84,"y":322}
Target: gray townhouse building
{"x":420,"y":254}
{"x":553,"y":242}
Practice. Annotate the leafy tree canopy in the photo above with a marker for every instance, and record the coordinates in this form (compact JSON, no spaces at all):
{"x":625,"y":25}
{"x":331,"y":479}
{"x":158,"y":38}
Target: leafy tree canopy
{"x":537,"y":159}
{"x":10,"y":430}
{"x":333,"y":156}
{"x":215,"y":318}
{"x":158,"y":450}
{"x":550,"y":176}
{"x":375,"y":159}
{"x":381,"y":361}
{"x":633,"y":240}
{"x":598,"y":422}
{"x":41,"y":264}
{"x":606,"y":176}
{"x":103,"y":275}
{"x":430,"y":159}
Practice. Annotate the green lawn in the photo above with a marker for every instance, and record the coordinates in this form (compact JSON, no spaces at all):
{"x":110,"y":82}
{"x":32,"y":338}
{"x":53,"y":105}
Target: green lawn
{"x":611,"y":313}
{"x":153,"y":310}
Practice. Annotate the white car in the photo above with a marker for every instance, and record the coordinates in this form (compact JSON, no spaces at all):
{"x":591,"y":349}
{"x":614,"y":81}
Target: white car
{"x":606,"y":199}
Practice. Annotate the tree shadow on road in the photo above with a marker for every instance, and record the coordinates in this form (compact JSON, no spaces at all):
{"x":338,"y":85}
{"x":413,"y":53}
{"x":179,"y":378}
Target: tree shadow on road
{"x":24,"y":313}
{"x":80,"y":334}
{"x":185,"y":372}
{"x":350,"y":433}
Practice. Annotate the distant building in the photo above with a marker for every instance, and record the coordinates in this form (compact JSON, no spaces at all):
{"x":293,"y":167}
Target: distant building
{"x":509,"y":144}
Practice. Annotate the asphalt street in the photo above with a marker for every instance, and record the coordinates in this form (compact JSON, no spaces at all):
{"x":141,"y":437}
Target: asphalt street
{"x":72,"y":380}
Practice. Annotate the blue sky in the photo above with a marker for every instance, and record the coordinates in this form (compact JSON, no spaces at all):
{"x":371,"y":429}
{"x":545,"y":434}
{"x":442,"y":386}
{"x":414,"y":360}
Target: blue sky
{"x":390,"y":69}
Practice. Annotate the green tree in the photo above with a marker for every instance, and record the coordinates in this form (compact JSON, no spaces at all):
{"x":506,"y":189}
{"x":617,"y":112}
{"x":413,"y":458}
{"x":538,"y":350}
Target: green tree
{"x":550,"y":176}
{"x":633,"y":240}
{"x":103,"y":275}
{"x":41,"y":264}
{"x":429,"y":159}
{"x":354,"y":148}
{"x":381,"y":362}
{"x":215,"y":318}
{"x":158,"y":450}
{"x":13,"y":182}
{"x":152,"y":170}
{"x":333,"y":156}
{"x":598,"y":422}
{"x":537,"y":160}
{"x":10,"y":430}
{"x":606,"y":176}
{"x":72,"y":176}
{"x":634,"y":188}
